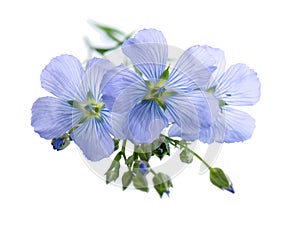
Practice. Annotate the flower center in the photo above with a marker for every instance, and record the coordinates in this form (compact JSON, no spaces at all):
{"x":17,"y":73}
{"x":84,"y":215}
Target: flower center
{"x":90,"y":108}
{"x":222,"y":103}
{"x":157,"y":92}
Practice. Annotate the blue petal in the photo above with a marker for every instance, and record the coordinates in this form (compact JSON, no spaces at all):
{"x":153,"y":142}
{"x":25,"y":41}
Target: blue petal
{"x":239,"y":125}
{"x":94,"y":139}
{"x":214,"y":133}
{"x":193,"y":69}
{"x":94,"y":79}
{"x":53,"y":117}
{"x":122,"y":92}
{"x":148,"y":51}
{"x":231,"y":126}
{"x":146,"y":121}
{"x":238,"y":86}
{"x":191,"y":112}
{"x":219,"y":57}
{"x":91,"y":62}
{"x":125,"y":86}
{"x":174,"y":131}
{"x":63,"y":76}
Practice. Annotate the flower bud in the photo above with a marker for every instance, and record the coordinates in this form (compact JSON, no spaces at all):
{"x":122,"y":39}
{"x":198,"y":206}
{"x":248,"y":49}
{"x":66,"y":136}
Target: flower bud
{"x":61,"y":142}
{"x":143,"y":168}
{"x":219,"y":179}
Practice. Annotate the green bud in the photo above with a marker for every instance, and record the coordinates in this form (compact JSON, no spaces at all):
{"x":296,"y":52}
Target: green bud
{"x":111,"y":175}
{"x":144,"y":151}
{"x":140,"y":182}
{"x":162,"y":183}
{"x":113,"y":172}
{"x":186,"y":156}
{"x":219,"y":179}
{"x":126,"y":179}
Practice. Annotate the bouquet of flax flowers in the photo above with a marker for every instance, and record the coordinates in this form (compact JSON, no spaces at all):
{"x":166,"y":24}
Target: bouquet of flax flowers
{"x":145,"y":105}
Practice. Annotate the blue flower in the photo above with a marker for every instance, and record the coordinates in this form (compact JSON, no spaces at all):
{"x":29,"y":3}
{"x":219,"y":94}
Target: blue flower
{"x":77,"y":108}
{"x":237,"y":86}
{"x":144,"y":102}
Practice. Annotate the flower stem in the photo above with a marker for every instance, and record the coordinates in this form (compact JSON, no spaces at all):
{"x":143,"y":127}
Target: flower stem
{"x":123,"y":149}
{"x":177,"y":143}
{"x":152,"y":171}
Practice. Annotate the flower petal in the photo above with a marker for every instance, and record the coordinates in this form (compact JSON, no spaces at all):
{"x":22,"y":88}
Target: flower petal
{"x":239,"y":125}
{"x":148,"y":51}
{"x":146,"y":121}
{"x":238,"y":86}
{"x":62,"y":77}
{"x":53,"y":117}
{"x":214,"y":133}
{"x":219,"y":57}
{"x":94,"y":139}
{"x":123,"y":85}
{"x":231,"y":126}
{"x":93,"y":81}
{"x":193,"y":69}
{"x":122,"y":92}
{"x":191,"y":112}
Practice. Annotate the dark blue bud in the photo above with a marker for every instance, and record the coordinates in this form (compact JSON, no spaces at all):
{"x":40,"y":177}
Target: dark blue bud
{"x":61,"y":142}
{"x":58,"y":143}
{"x":143,"y":168}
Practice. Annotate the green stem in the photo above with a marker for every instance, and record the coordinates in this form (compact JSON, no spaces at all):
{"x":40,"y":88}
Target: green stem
{"x":152,"y":171}
{"x":177,"y":143}
{"x":77,"y":125}
{"x":123,"y":149}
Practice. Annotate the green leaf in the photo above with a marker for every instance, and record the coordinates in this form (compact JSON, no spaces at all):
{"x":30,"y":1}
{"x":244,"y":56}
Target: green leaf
{"x":162,"y":183}
{"x":111,"y":32}
{"x":102,"y":51}
{"x":186,"y":156}
{"x":140,"y":183}
{"x":219,"y":179}
{"x":126,"y":179}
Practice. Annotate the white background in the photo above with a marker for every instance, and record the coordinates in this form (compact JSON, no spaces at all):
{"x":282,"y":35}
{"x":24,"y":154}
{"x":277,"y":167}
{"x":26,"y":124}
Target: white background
{"x":42,"y":188}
